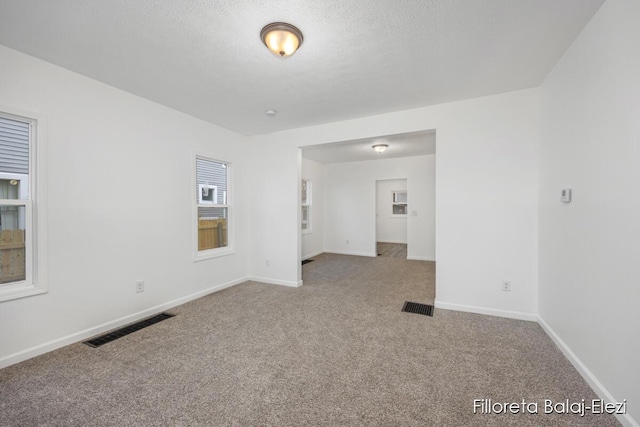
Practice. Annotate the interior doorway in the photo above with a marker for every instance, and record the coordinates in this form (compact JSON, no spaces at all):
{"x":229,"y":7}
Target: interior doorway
{"x":391,"y":218}
{"x":343,"y":212}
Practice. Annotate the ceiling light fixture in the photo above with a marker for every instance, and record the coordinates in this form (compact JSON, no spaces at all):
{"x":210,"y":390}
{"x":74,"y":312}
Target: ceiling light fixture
{"x":281,"y":39}
{"x":380,"y":148}
{"x":271,"y":113}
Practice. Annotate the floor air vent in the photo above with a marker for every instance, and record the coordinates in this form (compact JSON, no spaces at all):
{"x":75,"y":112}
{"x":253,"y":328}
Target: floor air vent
{"x":414,"y":307}
{"x":126,"y":330}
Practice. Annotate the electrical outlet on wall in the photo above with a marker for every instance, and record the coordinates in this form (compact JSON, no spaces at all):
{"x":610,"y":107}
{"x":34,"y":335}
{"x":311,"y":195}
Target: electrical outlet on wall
{"x":140,"y":286}
{"x":506,"y":286}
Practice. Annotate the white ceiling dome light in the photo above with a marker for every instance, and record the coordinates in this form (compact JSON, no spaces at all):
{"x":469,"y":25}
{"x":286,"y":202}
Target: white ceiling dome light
{"x":281,"y":39}
{"x":380,"y":148}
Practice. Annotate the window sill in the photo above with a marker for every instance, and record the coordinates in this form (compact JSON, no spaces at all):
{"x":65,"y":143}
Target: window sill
{"x":213,"y":253}
{"x":398,"y":216}
{"x":20,"y":291}
{"x":307,"y":231}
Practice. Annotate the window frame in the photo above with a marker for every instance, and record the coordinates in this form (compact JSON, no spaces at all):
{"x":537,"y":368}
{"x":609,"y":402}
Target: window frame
{"x":308,"y":205}
{"x":35,"y":282}
{"x":201,"y":255}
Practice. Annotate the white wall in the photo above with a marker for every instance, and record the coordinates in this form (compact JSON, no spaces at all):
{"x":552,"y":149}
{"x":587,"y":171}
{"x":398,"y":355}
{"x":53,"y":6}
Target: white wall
{"x":108,"y":227}
{"x":486,"y":197}
{"x":589,"y":280}
{"x":275,"y":249}
{"x":120,"y":194}
{"x":312,"y":243}
{"x":350,"y":204}
{"x":392,"y":228}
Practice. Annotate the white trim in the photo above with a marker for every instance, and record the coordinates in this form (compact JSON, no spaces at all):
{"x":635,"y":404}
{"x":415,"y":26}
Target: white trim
{"x":388,"y":241}
{"x":311,"y":255}
{"x":39,"y":199}
{"x":601,"y":391}
{"x":420,"y":258}
{"x":531,"y":317}
{"x":107,"y":326}
{"x":11,"y":292}
{"x":213,"y":253}
{"x":288,"y":283}
{"x":367,"y":254}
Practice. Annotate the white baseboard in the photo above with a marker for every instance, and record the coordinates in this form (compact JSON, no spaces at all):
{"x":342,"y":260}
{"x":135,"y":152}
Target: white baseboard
{"x":420,"y":258}
{"x":388,"y":241}
{"x":368,"y":254}
{"x":488,"y":311}
{"x":311,"y":255}
{"x":601,"y":391}
{"x":288,"y":283}
{"x":107,"y":326}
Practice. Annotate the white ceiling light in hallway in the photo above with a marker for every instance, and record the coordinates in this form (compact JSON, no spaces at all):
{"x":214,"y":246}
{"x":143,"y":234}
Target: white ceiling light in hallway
{"x":380,"y":148}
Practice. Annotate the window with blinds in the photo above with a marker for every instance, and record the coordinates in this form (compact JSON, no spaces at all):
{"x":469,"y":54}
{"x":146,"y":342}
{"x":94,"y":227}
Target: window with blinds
{"x":212,"y":205}
{"x":16,"y":248}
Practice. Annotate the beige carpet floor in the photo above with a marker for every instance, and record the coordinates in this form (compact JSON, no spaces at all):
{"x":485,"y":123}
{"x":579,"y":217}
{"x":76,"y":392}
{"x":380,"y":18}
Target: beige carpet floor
{"x":336,"y":352}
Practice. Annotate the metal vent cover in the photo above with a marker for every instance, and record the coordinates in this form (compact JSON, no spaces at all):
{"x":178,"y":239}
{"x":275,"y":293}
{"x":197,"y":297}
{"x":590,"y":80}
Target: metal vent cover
{"x":417,"y":308}
{"x":126,"y":330}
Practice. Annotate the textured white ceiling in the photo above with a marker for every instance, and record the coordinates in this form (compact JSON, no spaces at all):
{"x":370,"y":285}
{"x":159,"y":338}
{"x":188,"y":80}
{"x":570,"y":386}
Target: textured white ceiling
{"x":359,"y":57}
{"x":400,"y":145}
